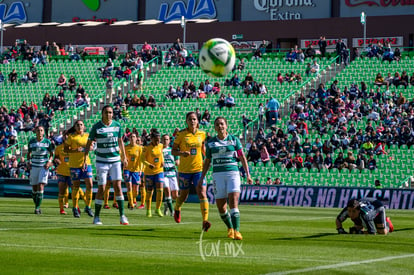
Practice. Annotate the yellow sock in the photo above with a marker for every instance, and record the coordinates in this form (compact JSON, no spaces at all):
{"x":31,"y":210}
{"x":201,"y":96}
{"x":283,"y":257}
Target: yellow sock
{"x":158,"y":201}
{"x":61,"y":200}
{"x":66,"y":196}
{"x":75,"y":196}
{"x":204,"y":209}
{"x":148,"y":199}
{"x":178,"y":204}
{"x":106,"y":193}
{"x":88,"y":198}
{"x":81,"y":194}
{"x":143,"y":194}
{"x":130,"y":199}
{"x":134,"y":195}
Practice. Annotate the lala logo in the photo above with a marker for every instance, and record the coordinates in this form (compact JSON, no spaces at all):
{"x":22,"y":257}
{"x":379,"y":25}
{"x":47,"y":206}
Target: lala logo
{"x":204,"y":9}
{"x":16,"y":13}
{"x":379,"y":3}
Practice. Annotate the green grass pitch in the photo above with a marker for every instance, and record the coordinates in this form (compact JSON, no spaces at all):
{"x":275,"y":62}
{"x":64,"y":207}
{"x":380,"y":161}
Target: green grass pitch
{"x":277,"y":240}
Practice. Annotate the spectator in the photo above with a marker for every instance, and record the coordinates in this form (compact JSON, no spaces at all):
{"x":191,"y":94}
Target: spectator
{"x":143,"y":101}
{"x":109,"y":89}
{"x":264,"y":155}
{"x":272,"y":110}
{"x":229,"y":101}
{"x":254,"y":154}
{"x":221,"y":102}
{"x":315,"y":67}
{"x":322,"y":45}
{"x":371,"y":163}
{"x":72,"y":83}
{"x":205,"y":119}
{"x":1,"y":77}
{"x":13,"y":76}
{"x":310,"y":52}
{"x":151,"y":102}
{"x":61,"y":82}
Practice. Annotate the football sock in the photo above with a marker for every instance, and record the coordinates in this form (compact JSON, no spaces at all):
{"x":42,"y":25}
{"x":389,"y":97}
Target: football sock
{"x":88,"y":198}
{"x":158,"y":201}
{"x":130,"y":198}
{"x":75,"y":196}
{"x":81,"y":195}
{"x":66,"y":196}
{"x":39,"y":199}
{"x":134,"y":196}
{"x":169,"y":204}
{"x":226,"y":219}
{"x":106,"y":193}
{"x":178,"y":204}
{"x":98,"y":207}
{"x":204,"y":209}
{"x":235,"y":218}
{"x":61,"y":200}
{"x":148,"y":199}
{"x":120,"y":202}
{"x":34,"y":197}
{"x":143,"y":195}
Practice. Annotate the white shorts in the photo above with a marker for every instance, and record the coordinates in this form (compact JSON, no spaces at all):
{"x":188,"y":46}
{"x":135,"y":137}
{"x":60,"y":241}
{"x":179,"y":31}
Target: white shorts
{"x":226,"y":183}
{"x":171,"y":182}
{"x":104,"y":169}
{"x":38,"y":175}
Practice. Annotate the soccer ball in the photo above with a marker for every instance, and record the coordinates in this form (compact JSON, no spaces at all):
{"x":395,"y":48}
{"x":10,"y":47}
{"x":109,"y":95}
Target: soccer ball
{"x":217,"y":57}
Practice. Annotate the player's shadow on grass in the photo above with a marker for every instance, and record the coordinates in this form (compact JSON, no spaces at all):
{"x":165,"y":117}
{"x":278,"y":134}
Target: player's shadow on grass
{"x":305,"y":237}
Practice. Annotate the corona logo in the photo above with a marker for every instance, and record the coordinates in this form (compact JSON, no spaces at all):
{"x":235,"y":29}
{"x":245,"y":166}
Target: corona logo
{"x":92,"y":4}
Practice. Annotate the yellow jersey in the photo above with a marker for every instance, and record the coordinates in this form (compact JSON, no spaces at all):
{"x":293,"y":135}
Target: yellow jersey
{"x":193,"y":143}
{"x":133,"y":155}
{"x":153,"y":154}
{"x":74,"y":141}
{"x":63,"y":167}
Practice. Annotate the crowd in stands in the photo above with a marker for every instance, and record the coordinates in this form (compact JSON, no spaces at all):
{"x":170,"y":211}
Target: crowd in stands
{"x":334,"y":114}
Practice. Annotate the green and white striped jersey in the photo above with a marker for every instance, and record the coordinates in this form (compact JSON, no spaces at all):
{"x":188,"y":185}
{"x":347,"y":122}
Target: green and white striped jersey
{"x":169,"y":163}
{"x":40,"y":151}
{"x":223,"y":153}
{"x":106,"y":137}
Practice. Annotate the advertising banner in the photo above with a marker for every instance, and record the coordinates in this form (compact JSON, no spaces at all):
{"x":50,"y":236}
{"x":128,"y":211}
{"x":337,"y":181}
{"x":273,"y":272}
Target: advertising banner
{"x":168,"y":10}
{"x":278,"y":195}
{"x":331,"y":43}
{"x":18,"y":12}
{"x":108,"y":11}
{"x":395,"y":41}
{"x":353,"y":8}
{"x":317,"y":196}
{"x":258,"y":10}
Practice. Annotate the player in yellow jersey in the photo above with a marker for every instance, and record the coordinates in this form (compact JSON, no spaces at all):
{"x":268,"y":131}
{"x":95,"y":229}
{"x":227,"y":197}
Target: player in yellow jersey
{"x":63,"y":173}
{"x":141,"y":186}
{"x":153,"y":160}
{"x":132,"y":178}
{"x":79,"y":169}
{"x":189,"y":146}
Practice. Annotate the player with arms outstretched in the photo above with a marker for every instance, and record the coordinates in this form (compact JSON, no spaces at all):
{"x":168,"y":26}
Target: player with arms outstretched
{"x":189,"y":146}
{"x":107,"y":134}
{"x":40,"y":159}
{"x":223,"y":151}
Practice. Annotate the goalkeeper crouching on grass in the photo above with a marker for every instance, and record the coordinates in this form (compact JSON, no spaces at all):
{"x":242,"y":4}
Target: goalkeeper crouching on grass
{"x":368,"y":216}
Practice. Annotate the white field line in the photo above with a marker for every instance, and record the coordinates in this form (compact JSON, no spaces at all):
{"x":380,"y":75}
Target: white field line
{"x":160,"y":252}
{"x":344,"y":264}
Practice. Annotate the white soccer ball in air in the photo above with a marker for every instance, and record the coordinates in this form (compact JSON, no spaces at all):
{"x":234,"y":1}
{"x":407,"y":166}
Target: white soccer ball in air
{"x":217,"y":57}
